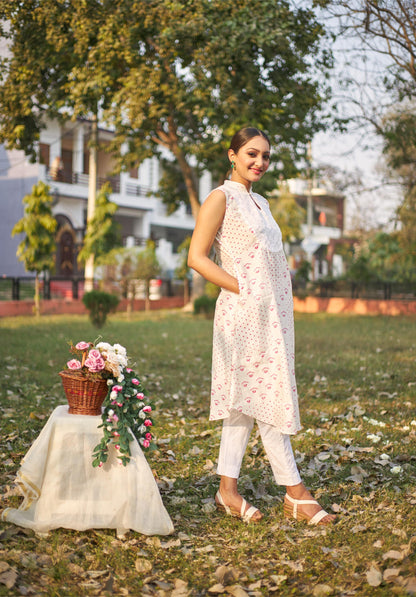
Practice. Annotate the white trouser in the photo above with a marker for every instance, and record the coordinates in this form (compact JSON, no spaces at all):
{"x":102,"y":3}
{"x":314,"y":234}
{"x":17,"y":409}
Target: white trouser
{"x":236,"y":431}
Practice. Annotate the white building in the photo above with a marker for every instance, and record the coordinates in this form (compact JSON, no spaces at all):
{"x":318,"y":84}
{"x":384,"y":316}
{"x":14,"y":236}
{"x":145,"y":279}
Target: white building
{"x":140,"y":213}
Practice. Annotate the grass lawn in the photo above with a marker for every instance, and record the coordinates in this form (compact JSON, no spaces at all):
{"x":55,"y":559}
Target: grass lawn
{"x":356,"y":452}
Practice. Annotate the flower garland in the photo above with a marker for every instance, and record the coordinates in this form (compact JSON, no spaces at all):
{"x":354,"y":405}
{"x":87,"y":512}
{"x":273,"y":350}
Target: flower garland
{"x":127,"y":414}
{"x":127,"y":409}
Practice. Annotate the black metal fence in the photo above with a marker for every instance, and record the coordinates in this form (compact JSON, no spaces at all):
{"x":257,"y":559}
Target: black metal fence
{"x":361,"y":290}
{"x":23,"y":287}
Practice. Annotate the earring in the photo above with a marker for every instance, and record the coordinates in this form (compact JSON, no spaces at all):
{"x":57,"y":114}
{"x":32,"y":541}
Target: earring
{"x":232,"y":165}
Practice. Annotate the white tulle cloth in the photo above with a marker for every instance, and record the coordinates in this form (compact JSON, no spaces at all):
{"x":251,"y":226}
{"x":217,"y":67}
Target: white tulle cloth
{"x":61,"y":488}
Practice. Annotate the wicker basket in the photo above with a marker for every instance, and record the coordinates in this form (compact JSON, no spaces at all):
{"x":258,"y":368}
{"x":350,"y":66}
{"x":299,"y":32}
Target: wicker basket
{"x":85,"y":397}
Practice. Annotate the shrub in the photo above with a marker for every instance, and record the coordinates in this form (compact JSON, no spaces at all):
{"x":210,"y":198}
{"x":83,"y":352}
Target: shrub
{"x":100,"y":304}
{"x":204,"y":304}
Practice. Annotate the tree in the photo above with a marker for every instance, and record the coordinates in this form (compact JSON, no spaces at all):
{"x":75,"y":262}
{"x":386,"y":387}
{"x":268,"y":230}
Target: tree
{"x":385,"y":30}
{"x":37,"y":248}
{"x":103,"y":236}
{"x":208,"y":67}
{"x":50,"y":73}
{"x":181,"y":76}
{"x":287,"y":213}
{"x":183,"y":270}
{"x":147,"y":268}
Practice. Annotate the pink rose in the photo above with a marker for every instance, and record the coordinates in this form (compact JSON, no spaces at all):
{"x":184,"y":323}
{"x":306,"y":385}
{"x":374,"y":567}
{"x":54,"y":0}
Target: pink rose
{"x":115,"y":418}
{"x":94,"y":365}
{"x":146,"y":443}
{"x":116,"y":434}
{"x":94,"y":354}
{"x":117,"y":447}
{"x":148,"y":436}
{"x":140,"y":396}
{"x":129,"y":370}
{"x":135,"y":381}
{"x":117,"y":388}
{"x":82,"y":346}
{"x":74,"y":364}
{"x":147,"y":409}
{"x":148,"y":423}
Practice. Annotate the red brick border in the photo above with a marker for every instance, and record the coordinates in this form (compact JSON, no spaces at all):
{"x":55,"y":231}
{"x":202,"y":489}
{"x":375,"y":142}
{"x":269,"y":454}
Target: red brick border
{"x":312,"y":304}
{"x":76,"y":307}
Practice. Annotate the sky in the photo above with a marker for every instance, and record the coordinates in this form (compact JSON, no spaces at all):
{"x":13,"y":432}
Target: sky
{"x":359,"y":150}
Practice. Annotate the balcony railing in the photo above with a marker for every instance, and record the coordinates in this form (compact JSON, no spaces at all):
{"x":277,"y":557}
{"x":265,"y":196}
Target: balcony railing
{"x":82,"y":179}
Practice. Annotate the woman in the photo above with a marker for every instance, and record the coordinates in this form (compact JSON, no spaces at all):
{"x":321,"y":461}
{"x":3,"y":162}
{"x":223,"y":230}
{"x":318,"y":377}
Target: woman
{"x":253,"y":371}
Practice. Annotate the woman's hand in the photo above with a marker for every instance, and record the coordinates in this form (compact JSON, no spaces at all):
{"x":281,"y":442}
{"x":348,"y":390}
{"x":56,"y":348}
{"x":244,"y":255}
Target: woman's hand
{"x":209,"y":220}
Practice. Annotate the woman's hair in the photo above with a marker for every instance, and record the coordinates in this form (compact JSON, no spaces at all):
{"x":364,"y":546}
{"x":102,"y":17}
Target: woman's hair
{"x":244,"y":135}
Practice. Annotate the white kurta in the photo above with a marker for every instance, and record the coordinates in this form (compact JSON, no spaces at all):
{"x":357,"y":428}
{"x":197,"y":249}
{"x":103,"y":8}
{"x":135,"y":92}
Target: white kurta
{"x":253,"y":364}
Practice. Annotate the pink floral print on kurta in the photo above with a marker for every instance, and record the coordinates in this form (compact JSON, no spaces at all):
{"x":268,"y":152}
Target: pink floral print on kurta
{"x":253,"y":364}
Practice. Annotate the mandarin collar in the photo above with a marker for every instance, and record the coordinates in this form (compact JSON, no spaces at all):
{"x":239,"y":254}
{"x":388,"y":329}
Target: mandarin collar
{"x":236,"y":184}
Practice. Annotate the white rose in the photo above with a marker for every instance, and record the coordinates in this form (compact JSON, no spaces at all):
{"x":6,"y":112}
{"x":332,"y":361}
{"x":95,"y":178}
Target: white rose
{"x":120,"y":349}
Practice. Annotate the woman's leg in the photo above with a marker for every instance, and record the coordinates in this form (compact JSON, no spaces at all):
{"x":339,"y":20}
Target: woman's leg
{"x":236,"y":432}
{"x":279,"y":451}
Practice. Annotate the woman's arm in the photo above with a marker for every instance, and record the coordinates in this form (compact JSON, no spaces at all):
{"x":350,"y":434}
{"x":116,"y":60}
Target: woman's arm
{"x":209,"y":220}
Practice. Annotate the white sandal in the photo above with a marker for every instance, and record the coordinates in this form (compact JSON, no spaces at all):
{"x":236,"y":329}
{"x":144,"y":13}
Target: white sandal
{"x":291,"y":510}
{"x":245,"y":516}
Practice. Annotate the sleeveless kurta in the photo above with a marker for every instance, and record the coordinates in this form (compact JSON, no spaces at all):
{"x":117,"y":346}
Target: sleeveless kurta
{"x":253,"y":360}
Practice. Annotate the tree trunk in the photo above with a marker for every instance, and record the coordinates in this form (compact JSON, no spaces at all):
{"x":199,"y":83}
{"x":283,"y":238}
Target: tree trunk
{"x":185,"y":291}
{"x":36,"y":307}
{"x":92,"y":193}
{"x":147,"y":296}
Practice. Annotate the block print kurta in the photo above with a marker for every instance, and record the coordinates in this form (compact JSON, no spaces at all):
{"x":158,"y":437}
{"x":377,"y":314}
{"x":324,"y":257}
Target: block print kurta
{"x":253,"y":368}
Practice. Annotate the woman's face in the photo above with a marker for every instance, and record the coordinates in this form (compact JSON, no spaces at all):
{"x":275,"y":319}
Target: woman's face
{"x":251,"y":161}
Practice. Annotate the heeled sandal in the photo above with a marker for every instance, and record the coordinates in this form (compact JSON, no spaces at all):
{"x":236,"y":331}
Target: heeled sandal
{"x":291,"y":510}
{"x":243,"y":515}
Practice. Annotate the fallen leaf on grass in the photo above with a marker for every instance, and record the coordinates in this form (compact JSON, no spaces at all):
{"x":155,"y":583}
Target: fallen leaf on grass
{"x":393,"y":554}
{"x":8,"y":578}
{"x":278,"y":578}
{"x":321,"y":590}
{"x":237,"y":591}
{"x":171,"y":543}
{"x":410,"y":585}
{"x":226,"y":575}
{"x":181,"y":588}
{"x":391,"y":573}
{"x":374,"y":577}
{"x":142,"y":565}
{"x":216,"y":589}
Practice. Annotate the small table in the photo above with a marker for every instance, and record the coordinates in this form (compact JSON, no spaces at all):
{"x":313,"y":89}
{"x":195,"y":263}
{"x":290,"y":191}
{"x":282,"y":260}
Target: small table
{"x":61,"y":488}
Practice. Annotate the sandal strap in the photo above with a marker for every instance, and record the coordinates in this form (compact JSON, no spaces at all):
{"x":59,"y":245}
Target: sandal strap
{"x":249,"y":514}
{"x":300,"y":502}
{"x":318,"y":517}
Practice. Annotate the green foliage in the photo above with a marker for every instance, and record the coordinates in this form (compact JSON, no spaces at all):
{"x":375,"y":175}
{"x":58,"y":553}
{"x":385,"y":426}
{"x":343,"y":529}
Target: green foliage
{"x":382,"y":259}
{"x":164,"y":77}
{"x":212,"y":290}
{"x":182,"y":271}
{"x":99,"y":304}
{"x":147,"y":265}
{"x":303,"y":272}
{"x":38,"y":247}
{"x":205,"y":305}
{"x":288,"y":214}
{"x":103,"y":234}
